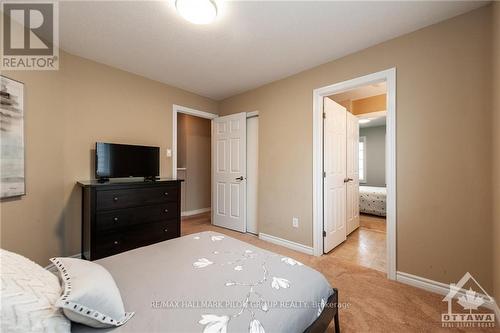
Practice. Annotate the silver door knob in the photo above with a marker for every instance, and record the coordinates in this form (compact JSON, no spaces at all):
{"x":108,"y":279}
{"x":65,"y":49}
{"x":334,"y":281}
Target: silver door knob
{"x":115,"y":219}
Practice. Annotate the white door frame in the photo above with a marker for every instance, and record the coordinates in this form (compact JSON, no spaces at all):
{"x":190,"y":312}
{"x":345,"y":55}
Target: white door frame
{"x":182,"y":109}
{"x":389,"y":76}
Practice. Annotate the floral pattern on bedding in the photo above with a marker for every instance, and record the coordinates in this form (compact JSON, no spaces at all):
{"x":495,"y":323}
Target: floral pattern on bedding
{"x":219,"y":324}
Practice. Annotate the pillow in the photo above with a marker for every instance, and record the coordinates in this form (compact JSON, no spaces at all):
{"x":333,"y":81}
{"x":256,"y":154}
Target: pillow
{"x":90,"y":295}
{"x":28,"y":296}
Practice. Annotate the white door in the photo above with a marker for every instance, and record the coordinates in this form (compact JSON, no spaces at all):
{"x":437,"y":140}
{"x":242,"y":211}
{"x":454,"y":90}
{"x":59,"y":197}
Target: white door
{"x":334,"y":187}
{"x":229,"y":156}
{"x":252,"y":172}
{"x":352,"y":173}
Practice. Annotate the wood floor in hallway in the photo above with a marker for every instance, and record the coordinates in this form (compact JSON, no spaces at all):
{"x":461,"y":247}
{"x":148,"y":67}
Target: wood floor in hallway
{"x":365,"y":246}
{"x":369,"y":302}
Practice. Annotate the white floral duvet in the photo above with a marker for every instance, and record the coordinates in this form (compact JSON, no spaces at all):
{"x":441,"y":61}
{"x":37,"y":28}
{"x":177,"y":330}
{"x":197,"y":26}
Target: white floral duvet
{"x":212,"y":283}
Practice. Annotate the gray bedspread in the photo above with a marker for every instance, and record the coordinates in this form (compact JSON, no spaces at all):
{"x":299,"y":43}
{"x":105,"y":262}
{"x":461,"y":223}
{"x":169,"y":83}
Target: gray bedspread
{"x":209,"y":282}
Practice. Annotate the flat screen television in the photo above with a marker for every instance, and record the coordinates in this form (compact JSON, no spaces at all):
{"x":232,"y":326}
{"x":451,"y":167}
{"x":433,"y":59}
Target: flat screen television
{"x":117,"y":161}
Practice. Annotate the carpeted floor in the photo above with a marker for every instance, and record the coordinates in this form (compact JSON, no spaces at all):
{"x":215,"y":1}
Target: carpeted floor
{"x":369,"y":301}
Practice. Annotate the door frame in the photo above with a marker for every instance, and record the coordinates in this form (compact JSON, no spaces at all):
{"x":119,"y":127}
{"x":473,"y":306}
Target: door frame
{"x":193,"y":112}
{"x":389,"y":76}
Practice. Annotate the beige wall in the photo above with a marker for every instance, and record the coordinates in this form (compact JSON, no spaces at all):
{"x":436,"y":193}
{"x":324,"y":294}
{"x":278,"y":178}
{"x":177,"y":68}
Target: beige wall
{"x":444,"y":183}
{"x":66,"y":112}
{"x":194,"y":154}
{"x":496,"y":148}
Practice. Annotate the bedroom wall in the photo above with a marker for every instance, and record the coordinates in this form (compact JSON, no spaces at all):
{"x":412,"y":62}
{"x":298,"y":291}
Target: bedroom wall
{"x":195,"y":151}
{"x":66,"y":112}
{"x":375,"y":155}
{"x":443,"y":88}
{"x":496,"y":150}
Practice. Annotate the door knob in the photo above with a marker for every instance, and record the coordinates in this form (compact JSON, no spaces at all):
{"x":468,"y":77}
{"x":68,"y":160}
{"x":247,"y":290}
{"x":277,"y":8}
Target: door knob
{"x":240,"y":178}
{"x":346,"y":180}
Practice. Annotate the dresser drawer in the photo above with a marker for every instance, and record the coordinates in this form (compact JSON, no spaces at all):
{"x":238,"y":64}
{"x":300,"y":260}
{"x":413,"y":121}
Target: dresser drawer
{"x":114,"y":199}
{"x":126,"y":217}
{"x":113,"y":243}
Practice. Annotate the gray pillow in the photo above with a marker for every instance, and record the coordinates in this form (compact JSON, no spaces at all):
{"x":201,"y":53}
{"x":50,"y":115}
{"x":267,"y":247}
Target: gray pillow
{"x":90,"y":295}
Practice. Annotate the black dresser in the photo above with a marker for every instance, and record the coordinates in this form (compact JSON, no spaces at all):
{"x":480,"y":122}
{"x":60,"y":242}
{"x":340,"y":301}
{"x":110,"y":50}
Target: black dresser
{"x":122,"y":215}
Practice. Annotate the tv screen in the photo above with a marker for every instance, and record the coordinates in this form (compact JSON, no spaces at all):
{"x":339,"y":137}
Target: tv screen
{"x":117,"y":160}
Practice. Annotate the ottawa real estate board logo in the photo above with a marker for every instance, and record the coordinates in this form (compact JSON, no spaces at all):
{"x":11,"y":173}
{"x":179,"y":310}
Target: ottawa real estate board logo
{"x":467,"y":305}
{"x":30,"y":36}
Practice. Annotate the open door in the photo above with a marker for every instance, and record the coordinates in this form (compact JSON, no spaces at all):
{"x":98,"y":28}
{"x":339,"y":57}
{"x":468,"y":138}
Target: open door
{"x":229,"y":144}
{"x":334,"y":182}
{"x":352,"y":173}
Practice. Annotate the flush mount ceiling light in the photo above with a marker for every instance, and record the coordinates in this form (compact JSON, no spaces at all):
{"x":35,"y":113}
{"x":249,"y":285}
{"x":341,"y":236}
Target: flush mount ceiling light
{"x":197,"y":11}
{"x":364,"y":121}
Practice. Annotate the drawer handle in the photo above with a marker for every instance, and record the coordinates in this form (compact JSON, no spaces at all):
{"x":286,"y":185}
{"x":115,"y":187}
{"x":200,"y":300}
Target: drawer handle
{"x":115,"y":199}
{"x":166,"y":210}
{"x":166,"y":230}
{"x":115,"y":242}
{"x":166,"y":193}
{"x":115,"y":219}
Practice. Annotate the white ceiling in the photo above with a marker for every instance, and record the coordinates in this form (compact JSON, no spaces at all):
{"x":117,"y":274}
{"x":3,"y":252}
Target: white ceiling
{"x":374,"y":122}
{"x":250,"y":44}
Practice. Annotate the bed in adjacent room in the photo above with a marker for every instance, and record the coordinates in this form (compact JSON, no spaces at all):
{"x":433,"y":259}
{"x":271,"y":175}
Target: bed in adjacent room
{"x":209,"y":282}
{"x":372,"y":200}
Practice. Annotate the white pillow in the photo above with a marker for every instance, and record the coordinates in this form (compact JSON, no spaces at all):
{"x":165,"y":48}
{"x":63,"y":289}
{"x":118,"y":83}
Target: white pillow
{"x":28,"y":296}
{"x":90,"y":295}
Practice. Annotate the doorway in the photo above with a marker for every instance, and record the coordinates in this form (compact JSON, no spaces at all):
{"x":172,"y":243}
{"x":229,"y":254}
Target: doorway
{"x":363,"y":240}
{"x":191,"y":158}
{"x":339,"y":175}
{"x":232,"y":170}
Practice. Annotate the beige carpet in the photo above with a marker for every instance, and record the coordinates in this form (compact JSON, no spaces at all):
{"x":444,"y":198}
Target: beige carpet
{"x":371,"y":303}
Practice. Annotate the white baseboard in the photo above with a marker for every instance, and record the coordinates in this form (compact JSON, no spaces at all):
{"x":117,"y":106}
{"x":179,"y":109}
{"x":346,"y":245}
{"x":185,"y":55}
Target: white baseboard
{"x":286,"y":243}
{"x":52,"y":268}
{"x":442,"y":289}
{"x":196,"y":211}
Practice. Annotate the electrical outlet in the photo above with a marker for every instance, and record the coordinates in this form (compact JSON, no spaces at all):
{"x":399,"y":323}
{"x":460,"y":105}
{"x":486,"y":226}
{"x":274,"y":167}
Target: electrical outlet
{"x":295,"y":222}
{"x":169,"y":152}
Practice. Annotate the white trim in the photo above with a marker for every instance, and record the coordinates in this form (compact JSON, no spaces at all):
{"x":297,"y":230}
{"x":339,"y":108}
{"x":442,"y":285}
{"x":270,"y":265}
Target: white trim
{"x":389,"y":76}
{"x":252,"y":114}
{"x":443,"y":289}
{"x":286,"y":243}
{"x":195,"y":211}
{"x":182,"y":109}
{"x":363,"y":138}
{"x":51,"y":267}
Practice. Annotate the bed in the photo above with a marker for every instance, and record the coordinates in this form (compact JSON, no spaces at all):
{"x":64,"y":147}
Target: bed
{"x":209,"y":282}
{"x":372,"y":200}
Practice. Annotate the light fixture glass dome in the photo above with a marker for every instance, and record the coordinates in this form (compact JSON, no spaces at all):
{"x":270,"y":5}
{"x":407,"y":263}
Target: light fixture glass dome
{"x":197,"y":11}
